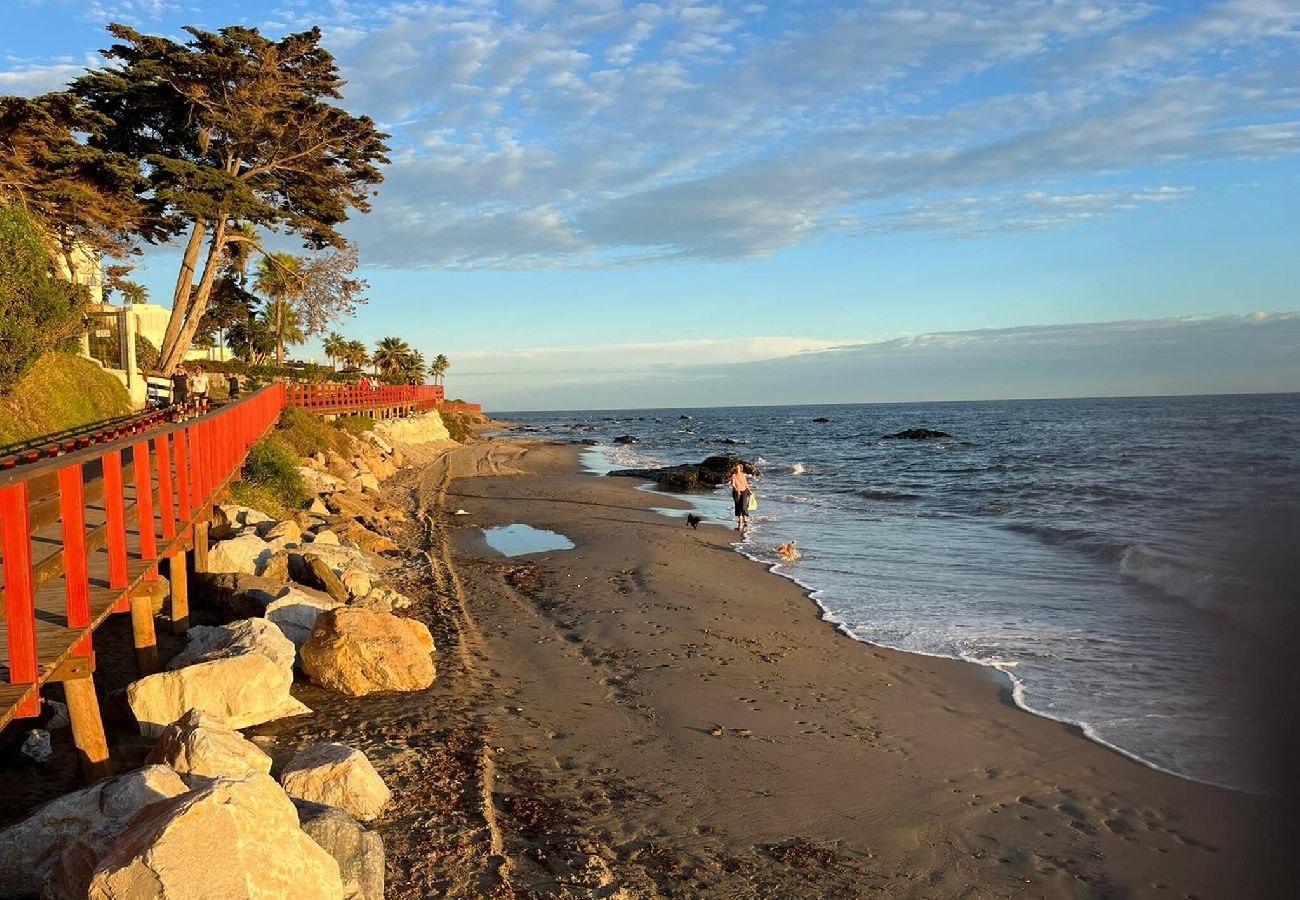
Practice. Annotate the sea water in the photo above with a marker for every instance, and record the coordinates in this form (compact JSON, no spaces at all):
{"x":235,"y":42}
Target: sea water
{"x":1108,"y":555}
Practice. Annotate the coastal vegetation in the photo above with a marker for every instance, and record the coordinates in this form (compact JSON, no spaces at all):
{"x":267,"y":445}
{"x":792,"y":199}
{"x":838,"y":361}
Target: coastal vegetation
{"x":38,"y":310}
{"x":58,"y":392}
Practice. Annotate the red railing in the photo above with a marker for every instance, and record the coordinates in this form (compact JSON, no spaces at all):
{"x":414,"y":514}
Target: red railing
{"x":94,"y":530}
{"x":100,"y":521}
{"x":345,"y":397}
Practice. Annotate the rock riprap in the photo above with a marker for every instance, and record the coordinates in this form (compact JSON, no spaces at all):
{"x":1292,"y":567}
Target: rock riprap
{"x":358,"y":651}
{"x":337,"y":775}
{"x":243,"y":690}
{"x":236,"y":838}
{"x":358,"y":850}
{"x":246,"y":553}
{"x":295,"y":613}
{"x":199,"y":743}
{"x":255,"y":635}
{"x":31,"y":847}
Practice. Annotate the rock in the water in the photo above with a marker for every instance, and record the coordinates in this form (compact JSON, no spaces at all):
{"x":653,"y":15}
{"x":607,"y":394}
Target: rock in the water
{"x":917,"y":434}
{"x":199,"y":743}
{"x":246,"y":553}
{"x":236,"y":838}
{"x":627,"y":439}
{"x":356,"y":652}
{"x":29,"y":848}
{"x":358,"y":850}
{"x":704,"y":476}
{"x":821,"y":420}
{"x":337,"y":775}
{"x":257,"y":635}
{"x":244,"y":690}
{"x":295,"y":613}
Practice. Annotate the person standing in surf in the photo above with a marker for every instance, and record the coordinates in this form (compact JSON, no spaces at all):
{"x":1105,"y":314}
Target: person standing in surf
{"x":741,"y":495}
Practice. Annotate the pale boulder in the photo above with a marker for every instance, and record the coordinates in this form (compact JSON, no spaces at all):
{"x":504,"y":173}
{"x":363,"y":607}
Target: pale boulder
{"x":31,"y":847}
{"x":295,"y":613}
{"x":325,"y":536}
{"x":235,"y":838}
{"x":357,"y":651}
{"x":368,"y":482}
{"x":357,"y":582}
{"x":337,"y":775}
{"x":256,"y":635}
{"x":243,"y":690}
{"x":284,"y":534}
{"x":246,"y":553}
{"x":414,"y":429}
{"x":199,"y":743}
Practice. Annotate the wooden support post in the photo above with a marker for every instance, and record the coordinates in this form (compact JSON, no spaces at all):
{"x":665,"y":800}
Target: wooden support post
{"x":142,"y":632}
{"x":87,"y":728}
{"x":180,"y":603}
{"x":200,"y":547}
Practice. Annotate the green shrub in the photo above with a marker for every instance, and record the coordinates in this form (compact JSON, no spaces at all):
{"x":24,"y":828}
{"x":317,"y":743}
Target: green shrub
{"x":459,"y":426}
{"x":38,"y":310}
{"x":306,"y":433}
{"x":271,"y":470}
{"x":355,"y":425}
{"x":146,"y":354}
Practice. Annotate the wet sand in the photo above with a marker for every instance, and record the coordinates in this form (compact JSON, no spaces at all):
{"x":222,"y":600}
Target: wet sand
{"x":670,"y":707}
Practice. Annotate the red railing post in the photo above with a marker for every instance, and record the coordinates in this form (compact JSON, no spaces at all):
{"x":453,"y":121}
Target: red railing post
{"x":166,"y":511}
{"x":180,"y":452}
{"x":20,"y":600}
{"x":144,"y":505}
{"x":115,"y":513}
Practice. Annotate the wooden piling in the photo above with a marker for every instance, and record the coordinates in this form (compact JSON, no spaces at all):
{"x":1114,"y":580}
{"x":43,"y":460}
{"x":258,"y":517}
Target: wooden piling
{"x":180,"y":601}
{"x":87,"y":727}
{"x":142,"y":630}
{"x":200,"y":547}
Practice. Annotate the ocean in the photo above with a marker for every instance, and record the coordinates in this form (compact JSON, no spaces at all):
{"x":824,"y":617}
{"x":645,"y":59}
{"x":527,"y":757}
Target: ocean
{"x":1110,"y":556}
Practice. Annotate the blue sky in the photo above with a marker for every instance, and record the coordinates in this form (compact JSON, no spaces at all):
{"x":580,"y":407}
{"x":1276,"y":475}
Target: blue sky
{"x":662,"y":189}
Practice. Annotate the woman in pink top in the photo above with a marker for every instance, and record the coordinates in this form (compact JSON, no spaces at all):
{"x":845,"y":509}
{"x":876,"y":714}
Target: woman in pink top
{"x":741,"y":494}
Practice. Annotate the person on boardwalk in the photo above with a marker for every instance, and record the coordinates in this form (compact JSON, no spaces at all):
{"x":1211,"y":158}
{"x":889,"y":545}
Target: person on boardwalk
{"x":741,"y":495}
{"x":232,"y":385}
{"x":199,"y":387}
{"x":180,"y":386}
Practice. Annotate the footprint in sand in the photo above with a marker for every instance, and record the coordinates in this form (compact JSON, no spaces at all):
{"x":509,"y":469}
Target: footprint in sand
{"x":1078,"y":820}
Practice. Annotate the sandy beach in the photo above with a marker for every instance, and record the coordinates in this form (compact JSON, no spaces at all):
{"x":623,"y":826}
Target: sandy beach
{"x":651,"y":714}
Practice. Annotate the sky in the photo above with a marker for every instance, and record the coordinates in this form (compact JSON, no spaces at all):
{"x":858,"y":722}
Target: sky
{"x":602,"y":203}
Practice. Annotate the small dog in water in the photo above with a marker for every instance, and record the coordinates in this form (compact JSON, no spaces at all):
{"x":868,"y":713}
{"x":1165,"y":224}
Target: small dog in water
{"x":693,"y":520}
{"x":789,"y":552}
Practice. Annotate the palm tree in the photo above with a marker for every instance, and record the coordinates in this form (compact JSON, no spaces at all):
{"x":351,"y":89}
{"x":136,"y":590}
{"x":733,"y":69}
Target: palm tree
{"x":439,"y":368}
{"x":414,"y":367}
{"x":280,"y":281}
{"x":355,"y":354}
{"x":334,"y":345}
{"x":390,"y":353}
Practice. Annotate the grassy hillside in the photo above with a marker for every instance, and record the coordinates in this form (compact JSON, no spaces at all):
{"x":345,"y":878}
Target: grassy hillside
{"x":59,"y":392}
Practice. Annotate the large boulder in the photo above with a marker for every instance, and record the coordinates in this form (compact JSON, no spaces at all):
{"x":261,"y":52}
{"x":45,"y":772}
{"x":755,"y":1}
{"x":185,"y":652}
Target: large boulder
{"x":256,"y":635}
{"x":366,"y":539}
{"x":295,"y":613}
{"x":917,"y":434}
{"x":357,"y":651}
{"x":229,"y":519}
{"x":358,"y":850}
{"x":236,"y":838}
{"x":31,"y":847}
{"x":704,"y":476}
{"x":234,"y":594}
{"x":246,"y":553}
{"x":243,"y":690}
{"x":337,"y":775}
{"x":199,"y":743}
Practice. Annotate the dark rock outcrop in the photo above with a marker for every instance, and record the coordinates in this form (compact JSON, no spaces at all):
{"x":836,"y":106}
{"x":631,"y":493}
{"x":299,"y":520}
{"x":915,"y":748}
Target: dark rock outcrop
{"x":821,"y":420}
{"x":917,"y":434}
{"x":704,"y":476}
{"x":626,"y":439}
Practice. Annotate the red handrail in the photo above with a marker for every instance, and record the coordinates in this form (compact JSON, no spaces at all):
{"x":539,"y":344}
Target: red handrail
{"x":176,"y":473}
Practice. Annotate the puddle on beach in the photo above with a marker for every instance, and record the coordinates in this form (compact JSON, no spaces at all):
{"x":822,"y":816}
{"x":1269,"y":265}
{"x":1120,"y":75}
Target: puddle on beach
{"x":518,"y":540}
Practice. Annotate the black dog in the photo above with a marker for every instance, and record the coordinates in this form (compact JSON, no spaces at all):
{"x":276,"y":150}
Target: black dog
{"x":693,"y":520}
